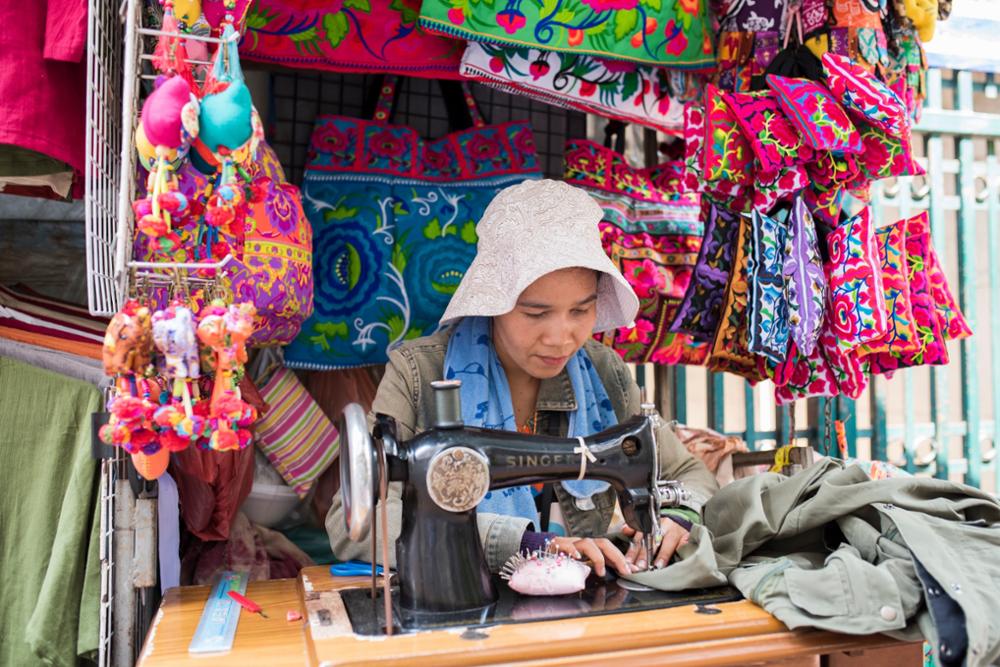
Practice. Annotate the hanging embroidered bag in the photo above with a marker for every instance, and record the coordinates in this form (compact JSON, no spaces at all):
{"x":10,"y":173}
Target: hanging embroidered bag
{"x":643,"y":31}
{"x":361,"y":36}
{"x":633,"y":93}
{"x":394,"y":221}
{"x":652,"y":233}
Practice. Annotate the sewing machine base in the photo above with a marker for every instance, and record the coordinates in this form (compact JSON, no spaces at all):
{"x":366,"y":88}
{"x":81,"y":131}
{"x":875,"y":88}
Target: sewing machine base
{"x":600,"y":597}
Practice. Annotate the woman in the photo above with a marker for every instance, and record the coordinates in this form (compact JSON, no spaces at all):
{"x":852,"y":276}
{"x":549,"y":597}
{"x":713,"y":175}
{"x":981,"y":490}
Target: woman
{"x":520,"y":340}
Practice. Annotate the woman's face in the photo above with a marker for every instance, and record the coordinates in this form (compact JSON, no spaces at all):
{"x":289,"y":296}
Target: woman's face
{"x":552,"y":319}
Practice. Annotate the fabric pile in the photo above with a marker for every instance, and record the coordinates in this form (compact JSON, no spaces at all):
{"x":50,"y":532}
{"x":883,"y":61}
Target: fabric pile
{"x":833,"y":549}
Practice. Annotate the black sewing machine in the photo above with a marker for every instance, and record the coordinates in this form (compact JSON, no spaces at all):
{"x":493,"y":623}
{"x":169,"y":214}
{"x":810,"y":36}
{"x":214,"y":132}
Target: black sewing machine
{"x":447,"y":470}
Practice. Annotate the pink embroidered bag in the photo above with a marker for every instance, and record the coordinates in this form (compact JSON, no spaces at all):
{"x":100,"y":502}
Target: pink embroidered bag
{"x":364,"y":36}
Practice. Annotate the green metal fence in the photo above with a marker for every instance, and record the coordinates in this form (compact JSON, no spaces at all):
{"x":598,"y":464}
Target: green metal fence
{"x":927,"y":420}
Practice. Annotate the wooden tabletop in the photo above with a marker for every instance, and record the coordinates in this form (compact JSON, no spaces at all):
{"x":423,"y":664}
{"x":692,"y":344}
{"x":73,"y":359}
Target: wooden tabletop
{"x":741,"y":634}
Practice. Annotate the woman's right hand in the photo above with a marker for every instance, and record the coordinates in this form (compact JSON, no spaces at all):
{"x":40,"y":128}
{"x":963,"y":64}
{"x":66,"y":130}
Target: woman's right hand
{"x":599,"y":550}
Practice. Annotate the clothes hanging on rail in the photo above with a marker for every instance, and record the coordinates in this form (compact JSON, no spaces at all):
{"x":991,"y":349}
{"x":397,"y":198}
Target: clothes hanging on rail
{"x":43,"y":79}
{"x":49,"y":535}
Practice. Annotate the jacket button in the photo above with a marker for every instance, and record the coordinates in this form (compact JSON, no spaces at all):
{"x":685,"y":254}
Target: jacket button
{"x":888,"y":613}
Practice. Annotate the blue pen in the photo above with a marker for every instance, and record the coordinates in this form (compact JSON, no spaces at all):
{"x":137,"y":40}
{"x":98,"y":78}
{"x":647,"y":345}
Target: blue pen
{"x":353,"y":568}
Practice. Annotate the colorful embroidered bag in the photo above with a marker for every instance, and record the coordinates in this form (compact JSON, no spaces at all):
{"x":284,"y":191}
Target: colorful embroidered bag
{"x":727,"y":154}
{"x":643,"y":31}
{"x":805,"y":282}
{"x":271,"y":263}
{"x":932,"y":350}
{"x":394,"y":220}
{"x":815,"y":114}
{"x":863,"y":95}
{"x":767,"y":311}
{"x":653,"y":235}
{"x":650,"y":96}
{"x":700,"y":309}
{"x":362,"y":36}
{"x":954,"y":326}
{"x":854,"y":275}
{"x":901,"y":336}
{"x":730,"y":347}
{"x":772,"y":137}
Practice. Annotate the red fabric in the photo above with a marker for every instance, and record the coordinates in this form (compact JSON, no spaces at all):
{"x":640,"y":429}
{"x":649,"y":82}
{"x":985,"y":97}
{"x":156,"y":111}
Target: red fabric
{"x":212,"y":486}
{"x":43,"y":78}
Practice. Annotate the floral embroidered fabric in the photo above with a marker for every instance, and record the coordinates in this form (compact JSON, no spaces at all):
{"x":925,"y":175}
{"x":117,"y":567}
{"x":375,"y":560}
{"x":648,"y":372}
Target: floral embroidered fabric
{"x":652,"y":232}
{"x":772,"y":137}
{"x":394,"y":222}
{"x":591,"y":165}
{"x":727,"y":153}
{"x":360,"y":36}
{"x":650,"y":96}
{"x":730,"y":348}
{"x":901,"y":336}
{"x":856,"y":294}
{"x":849,"y":369}
{"x":810,"y":377}
{"x":656,"y":248}
{"x":783,"y":186}
{"x":768,"y":308}
{"x":863,"y":95}
{"x":700,"y":309}
{"x":694,"y":146}
{"x":954,"y":326}
{"x":932,"y":349}
{"x":643,"y":31}
{"x":885,"y":155}
{"x":815,"y":114}
{"x":805,"y":281}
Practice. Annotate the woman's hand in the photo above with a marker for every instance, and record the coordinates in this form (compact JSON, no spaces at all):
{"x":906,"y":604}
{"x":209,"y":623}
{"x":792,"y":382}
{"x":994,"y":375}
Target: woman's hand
{"x":599,"y":550}
{"x":672,"y":535}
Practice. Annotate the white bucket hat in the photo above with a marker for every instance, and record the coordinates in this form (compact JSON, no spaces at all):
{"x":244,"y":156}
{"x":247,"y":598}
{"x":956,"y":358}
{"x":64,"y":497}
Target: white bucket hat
{"x":531,"y":229}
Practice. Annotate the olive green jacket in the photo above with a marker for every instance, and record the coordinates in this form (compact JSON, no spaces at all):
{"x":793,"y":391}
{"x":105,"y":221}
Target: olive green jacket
{"x":829,"y":548}
{"x":405,"y":394}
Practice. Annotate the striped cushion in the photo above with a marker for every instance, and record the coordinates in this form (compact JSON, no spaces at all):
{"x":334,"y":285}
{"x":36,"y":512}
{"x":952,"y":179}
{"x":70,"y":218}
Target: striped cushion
{"x":298,"y":439}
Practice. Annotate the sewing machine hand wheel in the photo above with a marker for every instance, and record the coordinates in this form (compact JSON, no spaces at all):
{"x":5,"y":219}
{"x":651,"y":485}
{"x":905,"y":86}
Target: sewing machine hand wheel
{"x":358,"y":471}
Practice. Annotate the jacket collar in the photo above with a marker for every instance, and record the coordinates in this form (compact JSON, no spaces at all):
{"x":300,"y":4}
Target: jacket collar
{"x":556,"y":393}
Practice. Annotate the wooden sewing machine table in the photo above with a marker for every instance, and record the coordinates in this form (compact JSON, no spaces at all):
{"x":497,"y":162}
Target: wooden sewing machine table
{"x":741,"y":634}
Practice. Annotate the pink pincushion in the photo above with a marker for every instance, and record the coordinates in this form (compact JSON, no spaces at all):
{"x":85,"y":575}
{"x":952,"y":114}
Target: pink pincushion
{"x":545,"y":574}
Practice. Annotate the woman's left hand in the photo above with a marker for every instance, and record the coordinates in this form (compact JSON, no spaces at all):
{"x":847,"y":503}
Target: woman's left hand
{"x":672,"y":535}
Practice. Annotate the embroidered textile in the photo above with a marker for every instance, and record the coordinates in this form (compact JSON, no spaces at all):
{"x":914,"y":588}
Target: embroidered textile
{"x":932,"y":350}
{"x":901,"y":336}
{"x":353,"y":36}
{"x":815,"y":114}
{"x":774,"y":140}
{"x":856,"y":294}
{"x":643,"y":31}
{"x":805,"y":281}
{"x":863,"y":95}
{"x":394,"y":220}
{"x":768,"y":325}
{"x":727,"y":153}
{"x":641,"y":94}
{"x":700,"y":309}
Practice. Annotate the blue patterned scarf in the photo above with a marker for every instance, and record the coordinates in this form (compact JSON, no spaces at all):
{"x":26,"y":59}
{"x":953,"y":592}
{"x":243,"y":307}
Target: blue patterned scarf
{"x":486,"y":403}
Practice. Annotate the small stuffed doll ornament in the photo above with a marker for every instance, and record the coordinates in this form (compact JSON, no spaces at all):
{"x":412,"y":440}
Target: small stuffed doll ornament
{"x":168,"y":125}
{"x":128,"y":347}
{"x":175,"y":338}
{"x":923,"y":14}
{"x":225,"y":331}
{"x":230,"y":132}
{"x":545,"y":573}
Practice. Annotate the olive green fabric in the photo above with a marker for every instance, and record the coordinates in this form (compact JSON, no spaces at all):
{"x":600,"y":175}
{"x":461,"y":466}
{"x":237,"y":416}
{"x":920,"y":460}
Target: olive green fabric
{"x":830,"y":548}
{"x":405,"y":394}
{"x":49,"y":526}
